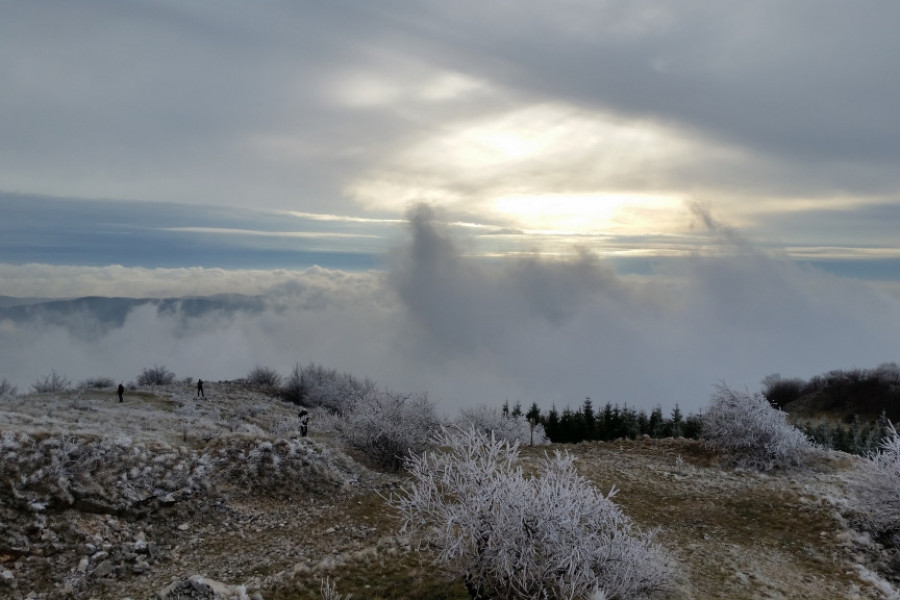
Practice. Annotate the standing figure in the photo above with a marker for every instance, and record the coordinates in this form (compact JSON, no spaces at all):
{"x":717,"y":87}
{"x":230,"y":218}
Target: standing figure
{"x":121,"y":391}
{"x":200,"y":388}
{"x":304,"y":422}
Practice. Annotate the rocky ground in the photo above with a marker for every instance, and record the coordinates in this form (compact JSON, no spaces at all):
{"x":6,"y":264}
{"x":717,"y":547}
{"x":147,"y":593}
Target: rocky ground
{"x":246,"y":515}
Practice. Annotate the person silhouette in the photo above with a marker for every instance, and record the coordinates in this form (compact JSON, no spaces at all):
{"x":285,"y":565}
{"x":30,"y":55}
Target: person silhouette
{"x":121,"y":391}
{"x":200,"y":388}
{"x":304,"y":422}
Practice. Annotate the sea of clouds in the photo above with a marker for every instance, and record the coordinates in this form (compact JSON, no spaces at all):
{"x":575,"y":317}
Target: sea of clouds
{"x":469,"y":331}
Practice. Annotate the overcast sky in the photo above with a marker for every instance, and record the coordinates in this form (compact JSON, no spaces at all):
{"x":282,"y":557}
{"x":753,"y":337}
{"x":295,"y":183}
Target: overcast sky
{"x":656,"y":162}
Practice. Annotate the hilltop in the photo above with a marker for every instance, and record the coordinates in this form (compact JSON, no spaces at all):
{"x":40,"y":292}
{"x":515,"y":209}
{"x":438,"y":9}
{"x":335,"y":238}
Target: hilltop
{"x":131,"y":500}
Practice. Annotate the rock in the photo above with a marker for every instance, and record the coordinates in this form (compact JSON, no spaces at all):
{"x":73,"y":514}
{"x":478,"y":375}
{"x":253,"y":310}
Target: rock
{"x":140,"y":567}
{"x":83,"y":565}
{"x":200,"y":587}
{"x":104,"y":568}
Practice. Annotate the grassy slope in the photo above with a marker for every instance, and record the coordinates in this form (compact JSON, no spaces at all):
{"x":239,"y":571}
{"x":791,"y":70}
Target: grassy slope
{"x":735,"y":535}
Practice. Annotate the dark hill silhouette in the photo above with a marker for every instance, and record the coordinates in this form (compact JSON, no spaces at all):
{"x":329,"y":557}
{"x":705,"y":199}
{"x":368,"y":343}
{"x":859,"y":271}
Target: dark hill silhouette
{"x":864,"y":394}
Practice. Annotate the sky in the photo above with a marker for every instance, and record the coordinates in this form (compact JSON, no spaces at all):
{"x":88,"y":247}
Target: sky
{"x":534,"y":201}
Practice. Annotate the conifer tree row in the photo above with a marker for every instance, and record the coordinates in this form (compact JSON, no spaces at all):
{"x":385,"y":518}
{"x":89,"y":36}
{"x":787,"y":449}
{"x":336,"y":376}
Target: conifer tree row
{"x":611,"y":422}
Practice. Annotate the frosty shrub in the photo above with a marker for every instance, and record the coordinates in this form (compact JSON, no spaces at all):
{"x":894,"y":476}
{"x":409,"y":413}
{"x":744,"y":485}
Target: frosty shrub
{"x":53,"y":383}
{"x":883,"y":496}
{"x":387,"y":426}
{"x":549,"y":536}
{"x":97,"y":383}
{"x":753,"y":432}
{"x":315,"y":385}
{"x":264,"y":378}
{"x":7,"y":389}
{"x":491,"y":421}
{"x":155,"y":375}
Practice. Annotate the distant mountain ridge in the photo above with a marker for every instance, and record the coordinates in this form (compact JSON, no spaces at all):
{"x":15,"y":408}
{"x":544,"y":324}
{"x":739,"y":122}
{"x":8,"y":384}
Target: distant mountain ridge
{"x":110,"y":312}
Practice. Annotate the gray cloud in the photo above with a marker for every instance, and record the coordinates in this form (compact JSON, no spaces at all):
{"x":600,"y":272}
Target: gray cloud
{"x":236,"y":104}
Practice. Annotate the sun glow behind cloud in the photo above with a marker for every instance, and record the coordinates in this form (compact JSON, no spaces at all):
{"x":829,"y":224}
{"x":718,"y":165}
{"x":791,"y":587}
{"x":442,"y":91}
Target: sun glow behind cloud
{"x":543,"y":169}
{"x":590,"y":213}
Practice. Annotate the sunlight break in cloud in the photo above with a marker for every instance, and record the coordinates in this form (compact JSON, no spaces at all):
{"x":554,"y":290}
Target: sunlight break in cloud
{"x":541,"y":167}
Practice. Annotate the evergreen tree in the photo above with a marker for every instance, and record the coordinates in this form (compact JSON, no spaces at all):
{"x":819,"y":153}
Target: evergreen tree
{"x":589,"y":423}
{"x":677,"y":421}
{"x":551,"y":425}
{"x":643,"y":423}
{"x":534,"y":419}
{"x":657,"y":423}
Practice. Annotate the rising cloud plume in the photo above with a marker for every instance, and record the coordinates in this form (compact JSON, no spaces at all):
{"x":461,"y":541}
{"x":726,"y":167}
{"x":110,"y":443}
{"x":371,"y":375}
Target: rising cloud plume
{"x":470,"y":331}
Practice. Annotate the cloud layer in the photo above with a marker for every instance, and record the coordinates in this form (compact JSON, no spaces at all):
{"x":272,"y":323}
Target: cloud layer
{"x":757,"y":110}
{"x":471,"y":331}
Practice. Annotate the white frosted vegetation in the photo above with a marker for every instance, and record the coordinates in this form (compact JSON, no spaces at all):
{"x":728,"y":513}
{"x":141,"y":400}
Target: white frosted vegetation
{"x":754,"y":433}
{"x":511,"y":428}
{"x":508,"y":535}
{"x":881,"y":498}
{"x":117,"y":475}
{"x":387,"y":426}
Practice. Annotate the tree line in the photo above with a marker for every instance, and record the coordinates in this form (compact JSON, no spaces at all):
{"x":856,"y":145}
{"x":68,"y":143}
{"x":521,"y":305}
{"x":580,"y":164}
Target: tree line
{"x":611,"y":422}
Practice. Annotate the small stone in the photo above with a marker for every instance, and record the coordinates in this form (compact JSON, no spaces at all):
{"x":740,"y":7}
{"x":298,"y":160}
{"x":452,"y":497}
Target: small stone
{"x":104,"y":569}
{"x":140,"y":567}
{"x":184,"y":527}
{"x":83,"y":565}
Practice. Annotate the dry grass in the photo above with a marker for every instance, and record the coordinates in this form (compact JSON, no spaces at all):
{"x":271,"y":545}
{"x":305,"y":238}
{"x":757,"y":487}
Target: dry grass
{"x":738,"y":535}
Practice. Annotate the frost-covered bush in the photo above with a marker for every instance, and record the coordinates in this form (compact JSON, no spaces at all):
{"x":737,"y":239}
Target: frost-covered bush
{"x":387,"y":426}
{"x":315,"y":385}
{"x":155,"y":375}
{"x":491,"y":421}
{"x":887,"y":459}
{"x":7,"y":389}
{"x":883,"y":496}
{"x":264,"y":378}
{"x":53,"y":383}
{"x":550,"y":536}
{"x":96,"y":383}
{"x":753,"y":432}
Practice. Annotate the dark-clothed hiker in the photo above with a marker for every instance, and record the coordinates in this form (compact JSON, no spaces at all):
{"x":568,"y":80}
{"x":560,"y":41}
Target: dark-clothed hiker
{"x":304,"y":423}
{"x":200,"y":388}
{"x":121,"y":391}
